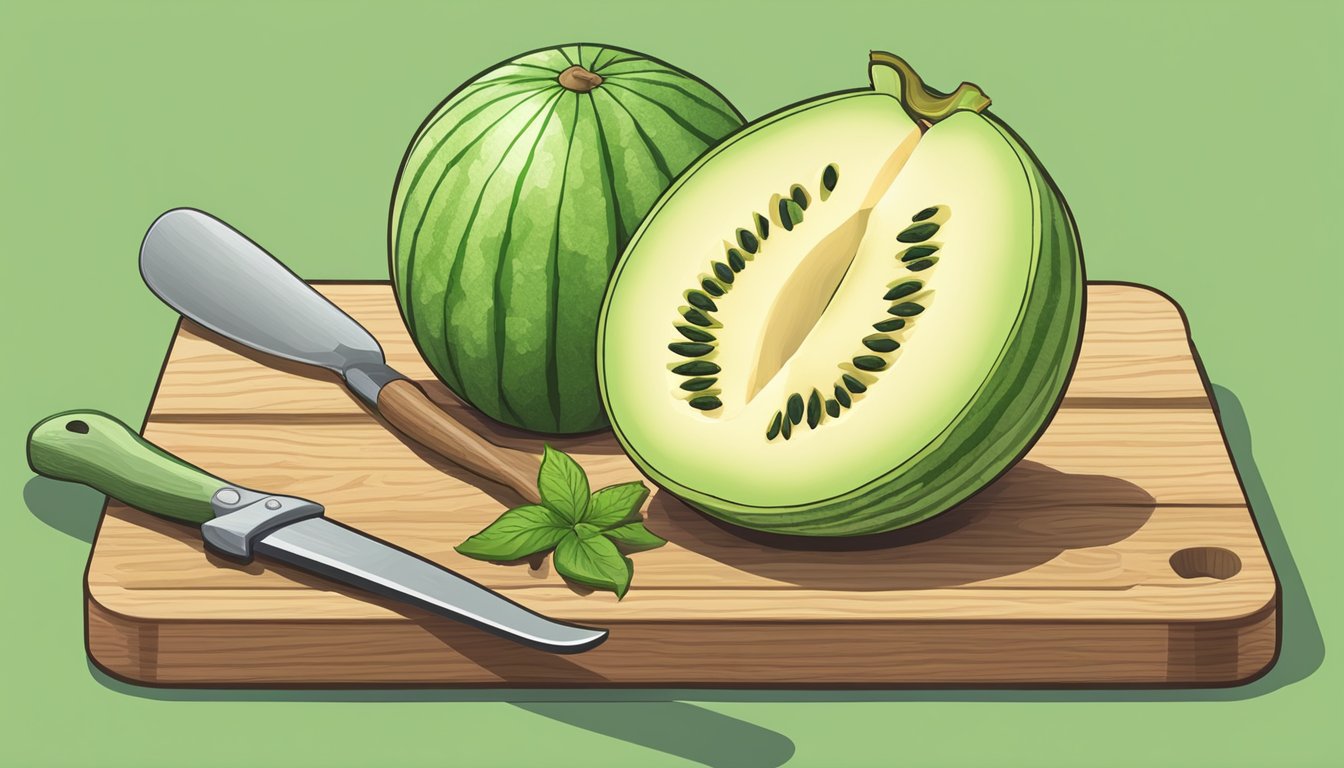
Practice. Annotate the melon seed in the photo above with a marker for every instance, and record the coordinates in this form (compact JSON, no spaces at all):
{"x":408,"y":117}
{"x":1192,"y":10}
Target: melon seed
{"x":879,"y":343}
{"x":918,"y":233}
{"x":696,"y":368}
{"x":904,"y":289}
{"x":853,"y":384}
{"x":832,"y":408}
{"x":697,"y":385}
{"x":705,"y":402}
{"x":908,"y":309}
{"x":695,"y":334}
{"x":918,"y":252}
{"x":711,"y":287}
{"x":748,"y":241}
{"x":690,"y":348}
{"x":799,"y":196}
{"x":735,"y":260}
{"x":722,"y":272}
{"x":920,"y":266}
{"x":762,"y":226}
{"x":773,"y":430}
{"x":869,"y":363}
{"x":924,"y":214}
{"x":795,"y":408}
{"x":701,"y":301}
{"x":829,"y":177}
{"x":842,"y":395}
{"x":894,"y":324}
{"x":695,"y":316}
{"x":790,"y":213}
{"x":814,"y":409}
{"x":786,"y":429}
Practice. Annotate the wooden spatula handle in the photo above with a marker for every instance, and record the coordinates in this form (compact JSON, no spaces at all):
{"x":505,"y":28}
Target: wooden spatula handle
{"x":408,"y":409}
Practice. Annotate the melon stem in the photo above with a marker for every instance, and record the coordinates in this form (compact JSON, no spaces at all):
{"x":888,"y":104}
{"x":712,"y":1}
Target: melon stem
{"x":922,"y":102}
{"x":579,"y":80}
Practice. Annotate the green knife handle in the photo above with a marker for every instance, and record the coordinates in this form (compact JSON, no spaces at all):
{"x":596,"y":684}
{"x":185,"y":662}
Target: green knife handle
{"x":99,"y":451}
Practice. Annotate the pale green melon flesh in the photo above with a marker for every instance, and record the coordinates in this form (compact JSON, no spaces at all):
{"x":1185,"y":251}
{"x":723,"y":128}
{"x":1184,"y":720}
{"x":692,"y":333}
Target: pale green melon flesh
{"x":795,"y":317}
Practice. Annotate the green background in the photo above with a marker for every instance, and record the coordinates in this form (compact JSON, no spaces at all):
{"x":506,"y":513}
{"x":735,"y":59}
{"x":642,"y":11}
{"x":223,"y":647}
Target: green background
{"x":1196,"y":143}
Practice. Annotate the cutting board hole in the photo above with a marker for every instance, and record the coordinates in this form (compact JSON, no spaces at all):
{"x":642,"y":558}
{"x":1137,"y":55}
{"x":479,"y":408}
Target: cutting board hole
{"x":1206,"y":562}
{"x":78,"y":426}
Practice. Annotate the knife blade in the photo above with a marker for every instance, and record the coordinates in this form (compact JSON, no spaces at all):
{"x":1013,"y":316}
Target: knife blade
{"x":214,"y":275}
{"x":97,"y":450}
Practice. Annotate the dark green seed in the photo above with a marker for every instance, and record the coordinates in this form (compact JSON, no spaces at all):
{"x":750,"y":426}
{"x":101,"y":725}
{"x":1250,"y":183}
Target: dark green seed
{"x":773,"y":431}
{"x":869,"y":363}
{"x":762,"y":227}
{"x":853,"y":384}
{"x":918,"y":233}
{"x":786,"y":429}
{"x":924,"y":214}
{"x":795,"y":408}
{"x":748,"y":241}
{"x":799,"y":196}
{"x":722,"y":272}
{"x":697,"y":385}
{"x":695,"y":334}
{"x":879,"y":343}
{"x":829,"y":177}
{"x":842,"y":395}
{"x":696,"y":368}
{"x":694,"y":316}
{"x":690,"y":348}
{"x":918,"y":252}
{"x":711,"y":287}
{"x":701,"y":301}
{"x":920,"y":266}
{"x":832,"y":408}
{"x":904,"y":289}
{"x":705,"y":403}
{"x":785,"y":220}
{"x":894,"y":324}
{"x":814,"y":409}
{"x":735,"y":260}
{"x":908,"y":309}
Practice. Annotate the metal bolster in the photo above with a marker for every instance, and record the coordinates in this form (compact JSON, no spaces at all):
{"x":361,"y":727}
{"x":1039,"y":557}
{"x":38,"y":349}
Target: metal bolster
{"x":243,"y":516}
{"x":368,"y":379}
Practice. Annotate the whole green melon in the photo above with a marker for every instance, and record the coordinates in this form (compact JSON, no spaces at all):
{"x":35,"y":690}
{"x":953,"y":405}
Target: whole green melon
{"x":848,"y":317}
{"x":512,"y":204}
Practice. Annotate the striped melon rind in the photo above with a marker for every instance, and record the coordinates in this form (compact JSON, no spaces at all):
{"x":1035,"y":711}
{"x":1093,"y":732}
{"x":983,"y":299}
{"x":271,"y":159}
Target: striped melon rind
{"x":510,"y":207}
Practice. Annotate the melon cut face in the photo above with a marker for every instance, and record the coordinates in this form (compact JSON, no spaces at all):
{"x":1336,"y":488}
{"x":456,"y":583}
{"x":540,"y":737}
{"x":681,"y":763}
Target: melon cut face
{"x":845,"y":319}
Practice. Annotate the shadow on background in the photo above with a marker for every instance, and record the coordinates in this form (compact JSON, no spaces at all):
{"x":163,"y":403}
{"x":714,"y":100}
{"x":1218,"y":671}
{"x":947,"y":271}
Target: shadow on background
{"x":70,"y":508}
{"x":662,"y":719}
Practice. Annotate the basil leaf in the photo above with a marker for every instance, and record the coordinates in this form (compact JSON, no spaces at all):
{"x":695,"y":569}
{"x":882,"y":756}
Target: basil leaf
{"x":615,"y":504}
{"x":563,"y":486}
{"x":520,"y":532}
{"x":634,"y":537}
{"x":594,"y":561}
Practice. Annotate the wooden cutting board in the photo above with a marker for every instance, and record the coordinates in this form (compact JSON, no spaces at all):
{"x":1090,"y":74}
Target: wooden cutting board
{"x":1120,"y":552}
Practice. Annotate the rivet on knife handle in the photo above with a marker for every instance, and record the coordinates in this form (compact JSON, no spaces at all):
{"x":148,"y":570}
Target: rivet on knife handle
{"x":211,"y":273}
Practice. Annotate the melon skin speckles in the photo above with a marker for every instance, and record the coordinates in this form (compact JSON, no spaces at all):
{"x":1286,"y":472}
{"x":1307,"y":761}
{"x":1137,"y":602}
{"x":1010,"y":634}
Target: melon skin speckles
{"x":511,"y":206}
{"x":900,"y":328}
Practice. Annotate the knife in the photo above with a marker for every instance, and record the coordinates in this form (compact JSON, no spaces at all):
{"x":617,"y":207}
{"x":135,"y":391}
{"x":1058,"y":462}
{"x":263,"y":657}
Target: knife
{"x":213,"y":274}
{"x":99,"y":451}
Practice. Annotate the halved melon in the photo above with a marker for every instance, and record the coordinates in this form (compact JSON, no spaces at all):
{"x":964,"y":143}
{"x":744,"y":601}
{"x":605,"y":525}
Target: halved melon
{"x":848,"y":317}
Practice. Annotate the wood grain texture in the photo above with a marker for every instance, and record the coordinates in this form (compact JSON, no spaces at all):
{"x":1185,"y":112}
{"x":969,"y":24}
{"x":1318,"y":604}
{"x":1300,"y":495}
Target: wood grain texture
{"x":1061,"y":572}
{"x":406,"y":407}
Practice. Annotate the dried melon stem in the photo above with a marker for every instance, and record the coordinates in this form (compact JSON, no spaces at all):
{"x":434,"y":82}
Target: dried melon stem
{"x":891,"y":74}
